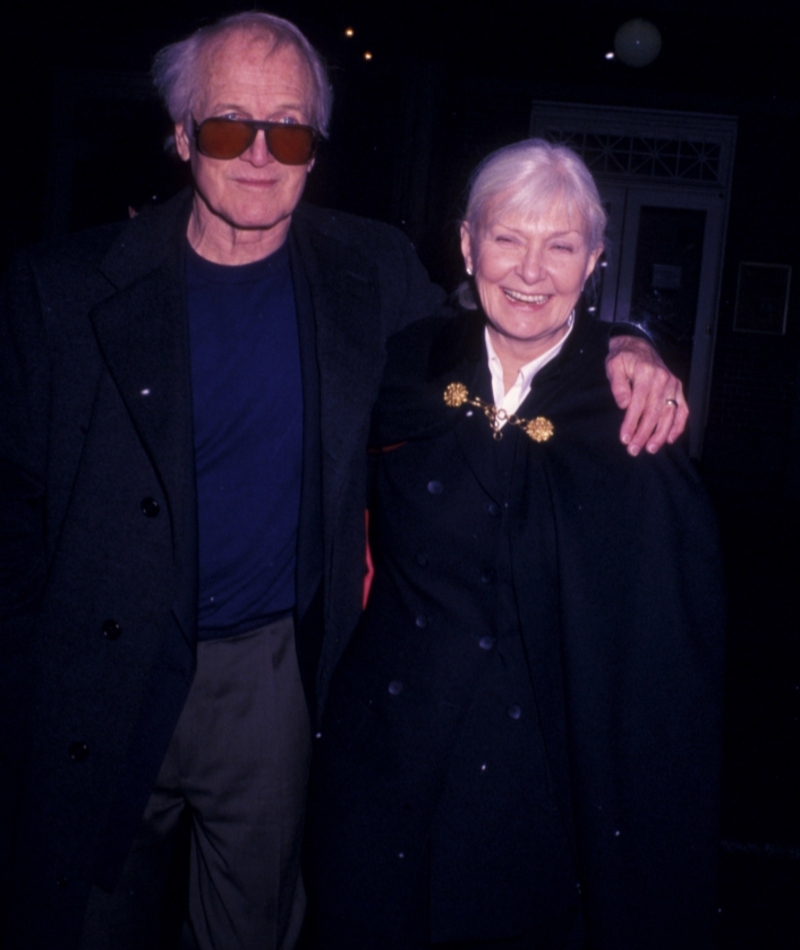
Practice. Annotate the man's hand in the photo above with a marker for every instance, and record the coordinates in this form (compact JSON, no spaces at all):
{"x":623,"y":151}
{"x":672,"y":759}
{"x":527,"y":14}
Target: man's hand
{"x":653,"y":397}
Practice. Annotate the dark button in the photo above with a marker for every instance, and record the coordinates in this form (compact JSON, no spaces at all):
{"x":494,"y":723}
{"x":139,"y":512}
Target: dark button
{"x":422,"y":560}
{"x":487,"y":576}
{"x":513,"y":711}
{"x":78,"y":751}
{"x":111,"y":629}
{"x":486,"y":643}
{"x":435,"y":488}
{"x":395,"y":687}
{"x":421,"y":621}
{"x":493,"y":509}
{"x":150,"y":507}
{"x":61,"y":882}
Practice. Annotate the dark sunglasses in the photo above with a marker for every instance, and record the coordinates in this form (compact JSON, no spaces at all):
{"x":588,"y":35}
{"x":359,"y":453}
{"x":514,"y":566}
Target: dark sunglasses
{"x":230,"y":138}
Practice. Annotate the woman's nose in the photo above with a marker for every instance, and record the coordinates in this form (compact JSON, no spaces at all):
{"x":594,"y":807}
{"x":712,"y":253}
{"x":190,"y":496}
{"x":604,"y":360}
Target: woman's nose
{"x":532,"y":266}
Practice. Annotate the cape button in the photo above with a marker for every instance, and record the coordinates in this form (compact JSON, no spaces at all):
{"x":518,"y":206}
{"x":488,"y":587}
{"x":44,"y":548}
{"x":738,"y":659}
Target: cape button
{"x":78,"y":751}
{"x":150,"y":507}
{"x":111,"y":630}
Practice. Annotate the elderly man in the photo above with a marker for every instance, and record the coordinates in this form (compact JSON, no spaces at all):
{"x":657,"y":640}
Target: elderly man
{"x":185,"y":399}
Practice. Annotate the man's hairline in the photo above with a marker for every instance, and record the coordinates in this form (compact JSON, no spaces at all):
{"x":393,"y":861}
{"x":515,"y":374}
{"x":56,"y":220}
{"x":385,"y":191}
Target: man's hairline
{"x":256,"y":33}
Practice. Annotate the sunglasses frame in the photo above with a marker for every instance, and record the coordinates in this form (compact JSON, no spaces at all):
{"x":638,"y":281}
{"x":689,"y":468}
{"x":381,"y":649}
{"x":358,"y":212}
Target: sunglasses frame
{"x":256,"y":125}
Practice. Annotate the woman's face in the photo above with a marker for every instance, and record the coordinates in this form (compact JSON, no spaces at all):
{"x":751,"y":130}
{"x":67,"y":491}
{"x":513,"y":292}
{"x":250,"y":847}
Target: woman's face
{"x":529,"y":274}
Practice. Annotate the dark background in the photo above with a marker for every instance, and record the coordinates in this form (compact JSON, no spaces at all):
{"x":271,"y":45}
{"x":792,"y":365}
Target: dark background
{"x":82,"y":141}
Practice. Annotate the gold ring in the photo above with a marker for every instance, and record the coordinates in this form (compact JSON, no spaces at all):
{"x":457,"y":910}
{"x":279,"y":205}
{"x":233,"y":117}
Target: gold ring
{"x":671,"y":402}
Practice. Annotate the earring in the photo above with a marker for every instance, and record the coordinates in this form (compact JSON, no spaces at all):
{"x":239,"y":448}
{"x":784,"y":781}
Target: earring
{"x":469,"y":272}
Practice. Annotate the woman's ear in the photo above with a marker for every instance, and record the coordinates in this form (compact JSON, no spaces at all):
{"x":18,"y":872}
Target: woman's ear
{"x":594,"y":257}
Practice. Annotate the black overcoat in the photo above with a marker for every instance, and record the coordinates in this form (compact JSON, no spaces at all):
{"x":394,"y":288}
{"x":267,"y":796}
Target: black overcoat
{"x":608,"y":567}
{"x":98,"y":526}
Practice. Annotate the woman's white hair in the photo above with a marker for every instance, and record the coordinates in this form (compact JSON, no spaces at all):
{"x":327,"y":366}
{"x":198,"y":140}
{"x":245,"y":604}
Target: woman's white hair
{"x":531,"y":179}
{"x":178,"y":68}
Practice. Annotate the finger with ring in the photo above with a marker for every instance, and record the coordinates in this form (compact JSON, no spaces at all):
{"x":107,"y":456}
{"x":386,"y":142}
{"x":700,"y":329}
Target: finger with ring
{"x":672,"y":402}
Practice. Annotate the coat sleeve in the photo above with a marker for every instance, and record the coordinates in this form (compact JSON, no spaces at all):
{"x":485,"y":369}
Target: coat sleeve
{"x":423,"y":298}
{"x":23,"y":448}
{"x":642,"y":605}
{"x":24,"y":396}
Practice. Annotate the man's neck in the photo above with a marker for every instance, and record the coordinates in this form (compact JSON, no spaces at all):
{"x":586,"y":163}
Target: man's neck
{"x":219,"y":242}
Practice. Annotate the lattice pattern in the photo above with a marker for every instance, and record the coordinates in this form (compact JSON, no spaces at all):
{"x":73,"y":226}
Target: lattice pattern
{"x":640,"y":157}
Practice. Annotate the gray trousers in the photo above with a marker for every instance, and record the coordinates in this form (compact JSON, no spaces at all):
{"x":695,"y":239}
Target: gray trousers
{"x":237,"y":764}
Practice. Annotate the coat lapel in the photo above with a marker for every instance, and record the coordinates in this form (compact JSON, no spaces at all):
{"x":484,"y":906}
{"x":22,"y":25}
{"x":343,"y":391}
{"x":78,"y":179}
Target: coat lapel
{"x":142,"y":333}
{"x":345,"y":299}
{"x":474,"y":433}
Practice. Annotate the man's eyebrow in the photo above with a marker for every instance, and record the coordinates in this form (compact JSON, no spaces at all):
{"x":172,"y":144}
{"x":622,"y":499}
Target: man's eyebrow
{"x":236,"y":107}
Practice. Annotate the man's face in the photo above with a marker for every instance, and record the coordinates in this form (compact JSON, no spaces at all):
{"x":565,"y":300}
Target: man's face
{"x":244,"y":79}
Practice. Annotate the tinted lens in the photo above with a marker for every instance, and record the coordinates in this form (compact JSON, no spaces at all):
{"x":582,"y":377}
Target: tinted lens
{"x":292,"y":144}
{"x":229,"y":138}
{"x":224,"y":138}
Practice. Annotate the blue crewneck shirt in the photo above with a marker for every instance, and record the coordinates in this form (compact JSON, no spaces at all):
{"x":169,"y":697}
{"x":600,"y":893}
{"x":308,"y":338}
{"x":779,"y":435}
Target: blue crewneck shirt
{"x":248,"y":410}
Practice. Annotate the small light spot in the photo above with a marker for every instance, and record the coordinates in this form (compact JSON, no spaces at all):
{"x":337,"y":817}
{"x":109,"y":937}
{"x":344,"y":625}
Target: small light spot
{"x":349,"y":32}
{"x":144,"y":392}
{"x":367,"y":55}
{"x":616,"y":834}
{"x":318,"y":735}
{"x":483,"y":767}
{"x":401,"y":855}
{"x":469,"y":413}
{"x":610,"y":54}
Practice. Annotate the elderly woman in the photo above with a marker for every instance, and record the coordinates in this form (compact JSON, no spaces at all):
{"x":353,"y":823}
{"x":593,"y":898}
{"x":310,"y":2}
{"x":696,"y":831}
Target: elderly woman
{"x":521,"y":742}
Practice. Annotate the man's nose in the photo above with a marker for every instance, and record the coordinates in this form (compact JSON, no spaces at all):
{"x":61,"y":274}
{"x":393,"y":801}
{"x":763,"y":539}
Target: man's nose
{"x":258,"y":153}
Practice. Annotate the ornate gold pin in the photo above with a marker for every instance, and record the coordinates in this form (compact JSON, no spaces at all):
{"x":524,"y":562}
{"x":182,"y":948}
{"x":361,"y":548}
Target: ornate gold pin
{"x":539,"y":429}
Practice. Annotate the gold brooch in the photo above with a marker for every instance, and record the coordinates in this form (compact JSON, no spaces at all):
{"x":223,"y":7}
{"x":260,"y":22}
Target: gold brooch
{"x":539,"y":429}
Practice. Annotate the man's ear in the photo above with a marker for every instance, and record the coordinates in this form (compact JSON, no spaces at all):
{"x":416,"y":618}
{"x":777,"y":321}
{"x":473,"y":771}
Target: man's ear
{"x":182,"y":141}
{"x":466,"y":247}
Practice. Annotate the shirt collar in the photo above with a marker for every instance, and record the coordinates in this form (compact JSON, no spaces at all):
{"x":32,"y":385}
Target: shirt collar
{"x":522,"y":385}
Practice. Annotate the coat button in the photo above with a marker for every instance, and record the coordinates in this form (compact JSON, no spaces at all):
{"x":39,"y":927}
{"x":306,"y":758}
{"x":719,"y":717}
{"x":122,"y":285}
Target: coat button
{"x":435,"y":488}
{"x":421,"y":621}
{"x":513,"y":711}
{"x":493,"y":509}
{"x":486,"y":643}
{"x":111,"y":629}
{"x":395,"y":688}
{"x":78,"y":751}
{"x":150,"y":507}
